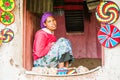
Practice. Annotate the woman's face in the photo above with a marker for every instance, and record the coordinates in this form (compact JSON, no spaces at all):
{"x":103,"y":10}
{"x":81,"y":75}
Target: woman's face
{"x":50,"y":23}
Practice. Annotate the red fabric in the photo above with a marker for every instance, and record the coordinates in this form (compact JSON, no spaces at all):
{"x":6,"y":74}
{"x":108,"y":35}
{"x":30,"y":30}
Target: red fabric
{"x":42,"y":44}
{"x":73,"y":0}
{"x":73,"y":7}
{"x":58,"y":7}
{"x":70,"y":7}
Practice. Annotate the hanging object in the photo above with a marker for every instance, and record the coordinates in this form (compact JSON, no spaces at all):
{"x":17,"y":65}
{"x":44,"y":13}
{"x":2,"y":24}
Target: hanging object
{"x":7,"y":5}
{"x":7,"y":18}
{"x":0,"y":42}
{"x":0,"y":3}
{"x":58,"y":4}
{"x":68,"y":4}
{"x":74,"y":5}
{"x":92,"y":4}
{"x":1,"y":39}
{"x":7,"y":35}
{"x":107,"y":12}
{"x":109,"y":36}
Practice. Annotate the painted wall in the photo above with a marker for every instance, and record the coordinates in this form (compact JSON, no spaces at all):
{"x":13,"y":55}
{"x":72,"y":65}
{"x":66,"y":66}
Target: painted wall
{"x":84,"y":45}
{"x":11,"y":53}
{"x":11,"y":56}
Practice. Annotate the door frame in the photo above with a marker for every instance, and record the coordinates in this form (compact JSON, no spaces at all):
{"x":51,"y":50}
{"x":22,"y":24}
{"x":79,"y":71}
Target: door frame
{"x":27,"y":60}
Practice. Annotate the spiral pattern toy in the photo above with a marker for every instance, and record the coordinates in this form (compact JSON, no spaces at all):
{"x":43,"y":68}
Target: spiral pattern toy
{"x":109,"y":36}
{"x":7,"y":18}
{"x":7,"y":5}
{"x":0,"y":39}
{"x":107,"y":12}
{"x":7,"y":35}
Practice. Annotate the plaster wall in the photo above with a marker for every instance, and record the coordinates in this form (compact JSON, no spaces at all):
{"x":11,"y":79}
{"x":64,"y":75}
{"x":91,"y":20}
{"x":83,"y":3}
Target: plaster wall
{"x":11,"y":52}
{"x":11,"y":56}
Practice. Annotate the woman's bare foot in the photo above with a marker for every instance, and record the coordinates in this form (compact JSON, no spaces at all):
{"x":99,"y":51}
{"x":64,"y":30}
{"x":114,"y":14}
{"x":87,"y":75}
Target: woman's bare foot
{"x":61,"y":65}
{"x":67,"y":64}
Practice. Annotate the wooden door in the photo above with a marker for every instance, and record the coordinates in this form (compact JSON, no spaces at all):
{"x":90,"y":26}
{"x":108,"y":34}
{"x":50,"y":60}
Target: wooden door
{"x":30,"y":26}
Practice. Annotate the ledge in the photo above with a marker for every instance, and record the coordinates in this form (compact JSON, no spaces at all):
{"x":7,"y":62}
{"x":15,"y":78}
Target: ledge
{"x":53,"y":75}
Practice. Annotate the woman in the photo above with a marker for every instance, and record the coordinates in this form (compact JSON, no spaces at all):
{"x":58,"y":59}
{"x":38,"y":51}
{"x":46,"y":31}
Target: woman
{"x":47,"y":51}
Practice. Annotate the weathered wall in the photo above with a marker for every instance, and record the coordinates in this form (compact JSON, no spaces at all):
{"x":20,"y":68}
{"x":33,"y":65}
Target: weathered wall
{"x":88,"y":39}
{"x":11,"y":55}
{"x":111,"y":58}
{"x":11,"y":52}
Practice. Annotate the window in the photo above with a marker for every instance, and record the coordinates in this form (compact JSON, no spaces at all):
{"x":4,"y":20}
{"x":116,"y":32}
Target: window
{"x":74,"y":21}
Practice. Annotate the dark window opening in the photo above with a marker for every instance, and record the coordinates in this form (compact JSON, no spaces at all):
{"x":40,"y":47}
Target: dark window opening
{"x":74,"y":21}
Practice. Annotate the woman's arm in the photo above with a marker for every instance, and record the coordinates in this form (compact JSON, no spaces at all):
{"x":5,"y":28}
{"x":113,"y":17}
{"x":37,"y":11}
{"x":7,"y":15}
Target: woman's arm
{"x":41,"y":46}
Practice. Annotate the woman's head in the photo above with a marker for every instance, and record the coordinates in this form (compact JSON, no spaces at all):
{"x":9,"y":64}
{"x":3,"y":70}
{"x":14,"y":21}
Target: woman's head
{"x":48,"y":21}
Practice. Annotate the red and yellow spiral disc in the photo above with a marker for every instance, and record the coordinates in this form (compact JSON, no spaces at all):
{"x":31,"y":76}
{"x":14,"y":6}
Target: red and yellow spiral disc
{"x":6,"y":35}
{"x":107,"y":12}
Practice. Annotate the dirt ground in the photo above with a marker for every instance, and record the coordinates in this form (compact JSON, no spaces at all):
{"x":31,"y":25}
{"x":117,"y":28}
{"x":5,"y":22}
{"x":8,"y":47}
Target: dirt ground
{"x":90,"y":63}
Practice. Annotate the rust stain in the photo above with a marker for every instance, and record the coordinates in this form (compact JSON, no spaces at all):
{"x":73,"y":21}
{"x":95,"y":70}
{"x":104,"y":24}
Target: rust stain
{"x":11,"y":62}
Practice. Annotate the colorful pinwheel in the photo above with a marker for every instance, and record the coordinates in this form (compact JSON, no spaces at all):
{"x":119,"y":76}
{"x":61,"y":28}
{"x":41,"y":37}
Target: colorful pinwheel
{"x":109,"y":36}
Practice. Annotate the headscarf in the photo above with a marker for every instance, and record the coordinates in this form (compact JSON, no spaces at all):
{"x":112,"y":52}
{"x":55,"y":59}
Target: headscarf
{"x":44,"y":17}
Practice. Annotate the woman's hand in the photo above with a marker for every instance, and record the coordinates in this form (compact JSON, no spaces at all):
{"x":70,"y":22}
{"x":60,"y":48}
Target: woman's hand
{"x":52,"y":43}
